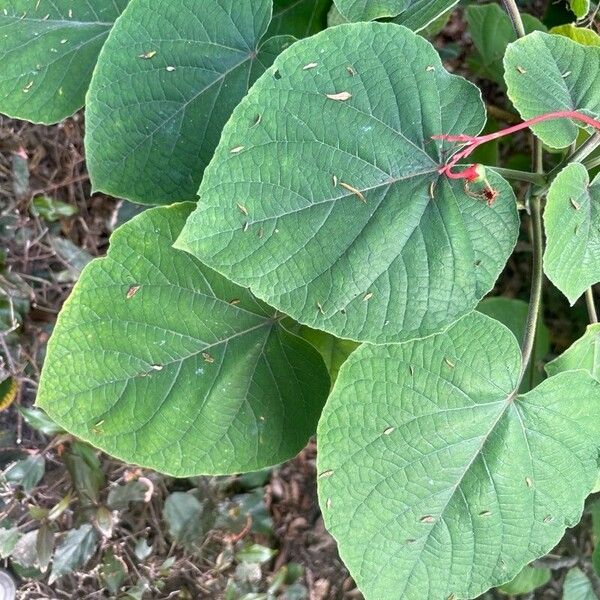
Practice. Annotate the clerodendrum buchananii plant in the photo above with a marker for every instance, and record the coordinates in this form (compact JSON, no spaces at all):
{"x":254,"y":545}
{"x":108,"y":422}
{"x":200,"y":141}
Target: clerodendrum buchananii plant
{"x":320,"y":203}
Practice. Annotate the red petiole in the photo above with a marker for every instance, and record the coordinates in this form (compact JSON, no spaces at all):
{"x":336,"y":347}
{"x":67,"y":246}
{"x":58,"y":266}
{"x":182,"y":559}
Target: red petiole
{"x":473,"y":172}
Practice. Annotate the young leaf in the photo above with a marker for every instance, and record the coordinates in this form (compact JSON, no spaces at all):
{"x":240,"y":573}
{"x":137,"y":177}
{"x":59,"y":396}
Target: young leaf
{"x":529,"y":579}
{"x":255,"y":553}
{"x":546,"y":73}
{"x":414,"y":14}
{"x":582,"y":35}
{"x":74,"y":551}
{"x":513,"y":314}
{"x":578,"y":587}
{"x":48,"y":51}
{"x":300,"y":18}
{"x":572,"y":224}
{"x":448,"y":482}
{"x":347,"y":225}
{"x":162,"y":362}
{"x":165,"y":84}
{"x":580,"y":8}
{"x":491,"y":31}
{"x":583,"y":354}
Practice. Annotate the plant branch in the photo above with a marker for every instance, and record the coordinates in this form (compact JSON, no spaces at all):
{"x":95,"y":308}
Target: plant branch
{"x":592,"y":163}
{"x":537,"y":239}
{"x":535,"y":178}
{"x":578,"y":155}
{"x":515,"y":17}
{"x":537,"y":275}
{"x":591,"y":305}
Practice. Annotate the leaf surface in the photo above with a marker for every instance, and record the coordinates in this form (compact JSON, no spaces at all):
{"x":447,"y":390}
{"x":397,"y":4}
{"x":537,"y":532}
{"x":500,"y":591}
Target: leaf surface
{"x":582,"y":35}
{"x":491,"y":31}
{"x":447,"y":472}
{"x":572,"y":225}
{"x":546,"y":73}
{"x":161,"y":362}
{"x":583,"y":354}
{"x":577,"y":586}
{"x":165,"y":84}
{"x":48,"y":51}
{"x":414,"y":14}
{"x":333,"y":211}
{"x":513,"y":313}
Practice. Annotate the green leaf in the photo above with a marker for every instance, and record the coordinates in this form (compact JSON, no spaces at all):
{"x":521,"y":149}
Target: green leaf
{"x":580,"y":8}
{"x":26,"y":473}
{"x":582,"y":35}
{"x":255,"y":553}
{"x":299,"y":18}
{"x":8,"y":540}
{"x":416,"y":254}
{"x":121,"y":496}
{"x":583,"y":354}
{"x":225,"y":387}
{"x":578,"y":587}
{"x":414,"y":14}
{"x":513,"y":314}
{"x":74,"y":551}
{"x":448,"y":482}
{"x":367,"y":10}
{"x":40,"y":421}
{"x":333,"y":350}
{"x":165,"y":84}
{"x":48,"y":51}
{"x":113,"y":571}
{"x":572,"y":224}
{"x":51,"y":209}
{"x":44,"y":546}
{"x":546,"y":73}
{"x":183,"y":513}
{"x":491,"y":31}
{"x":85,"y":471}
{"x":529,"y":579}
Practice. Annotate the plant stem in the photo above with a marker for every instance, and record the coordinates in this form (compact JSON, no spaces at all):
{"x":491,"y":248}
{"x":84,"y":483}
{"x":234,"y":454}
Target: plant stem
{"x":537,"y":239}
{"x":592,"y":163}
{"x":515,"y":17}
{"x":591,"y":305}
{"x":537,"y":275}
{"x":535,"y":178}
{"x":578,"y":155}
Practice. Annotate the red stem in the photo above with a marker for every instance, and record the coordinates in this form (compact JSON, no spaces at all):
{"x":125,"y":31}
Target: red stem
{"x":473,"y":142}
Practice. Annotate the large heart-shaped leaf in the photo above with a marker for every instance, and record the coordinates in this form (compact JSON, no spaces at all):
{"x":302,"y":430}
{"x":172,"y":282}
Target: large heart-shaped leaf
{"x":572,"y":224}
{"x":299,"y":18}
{"x":324,"y":195}
{"x":48,"y":51}
{"x":447,"y":481}
{"x":414,"y":14}
{"x":165,"y":84}
{"x":161,"y":362}
{"x":546,"y":73}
